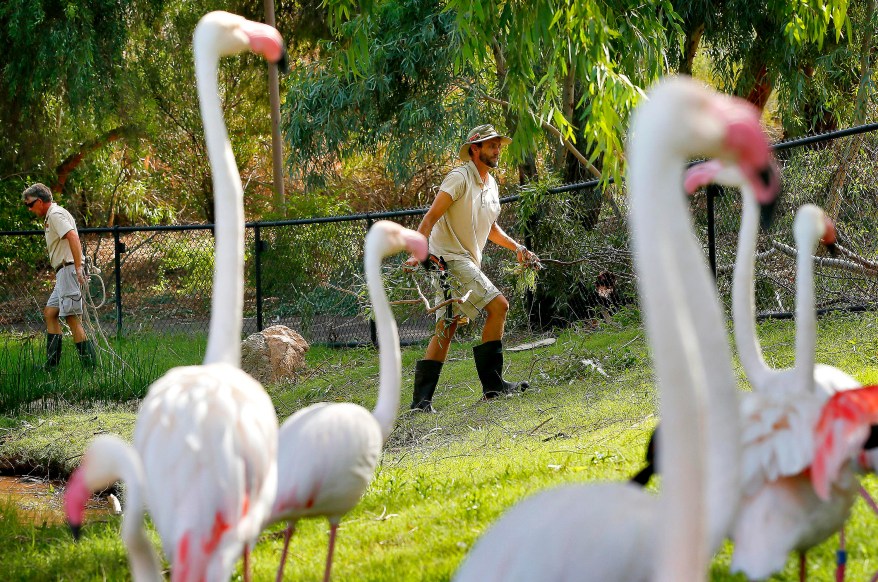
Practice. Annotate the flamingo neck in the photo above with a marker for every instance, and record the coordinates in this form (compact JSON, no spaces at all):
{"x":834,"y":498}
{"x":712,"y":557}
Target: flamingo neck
{"x":657,"y":217}
{"x":142,"y":556}
{"x":227,"y":300}
{"x":743,"y":294}
{"x":806,"y":316}
{"x":390,"y":360}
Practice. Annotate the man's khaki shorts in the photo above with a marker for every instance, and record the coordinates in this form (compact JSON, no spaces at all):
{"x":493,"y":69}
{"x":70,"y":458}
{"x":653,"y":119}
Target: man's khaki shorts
{"x":67,"y":295}
{"x":465,"y":276}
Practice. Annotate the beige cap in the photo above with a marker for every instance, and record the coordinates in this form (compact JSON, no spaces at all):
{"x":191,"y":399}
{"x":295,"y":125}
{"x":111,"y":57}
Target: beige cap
{"x":479,"y":134}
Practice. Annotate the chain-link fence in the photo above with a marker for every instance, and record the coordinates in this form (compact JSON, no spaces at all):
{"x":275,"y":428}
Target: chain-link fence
{"x":306,"y":274}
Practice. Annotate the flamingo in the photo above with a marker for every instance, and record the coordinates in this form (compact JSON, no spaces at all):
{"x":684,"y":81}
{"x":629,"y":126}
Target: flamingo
{"x":329,"y":451}
{"x":780,"y":510}
{"x":617,"y":531}
{"x":107,"y":460}
{"x":207,"y":435}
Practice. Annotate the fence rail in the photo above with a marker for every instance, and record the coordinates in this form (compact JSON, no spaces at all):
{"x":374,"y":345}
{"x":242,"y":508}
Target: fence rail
{"x":306,"y":273}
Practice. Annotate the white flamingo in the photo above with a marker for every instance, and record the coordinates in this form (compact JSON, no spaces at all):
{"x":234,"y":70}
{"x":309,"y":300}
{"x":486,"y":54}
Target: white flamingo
{"x":109,"y":459}
{"x":328,"y":452}
{"x":617,"y":531}
{"x":780,"y":510}
{"x":207,"y":435}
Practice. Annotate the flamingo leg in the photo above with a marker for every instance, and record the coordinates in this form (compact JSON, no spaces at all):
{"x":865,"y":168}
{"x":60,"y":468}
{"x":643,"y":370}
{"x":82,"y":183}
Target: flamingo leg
{"x":283,"y":556}
{"x":246,"y":563}
{"x":803,"y":573}
{"x":841,"y":557}
{"x":332,"y":530}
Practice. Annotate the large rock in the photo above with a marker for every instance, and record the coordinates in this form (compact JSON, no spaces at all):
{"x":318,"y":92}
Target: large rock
{"x":276,"y":353}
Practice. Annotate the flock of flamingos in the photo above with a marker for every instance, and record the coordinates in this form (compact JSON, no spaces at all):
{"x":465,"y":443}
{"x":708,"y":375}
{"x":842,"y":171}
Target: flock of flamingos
{"x":774,"y":469}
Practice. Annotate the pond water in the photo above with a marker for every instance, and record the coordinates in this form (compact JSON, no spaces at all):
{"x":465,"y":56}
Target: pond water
{"x":41,"y":502}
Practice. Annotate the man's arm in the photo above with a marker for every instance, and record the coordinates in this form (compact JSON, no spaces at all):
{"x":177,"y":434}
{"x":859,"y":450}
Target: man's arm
{"x":72,"y":238}
{"x":440,"y":204}
{"x":498,"y":236}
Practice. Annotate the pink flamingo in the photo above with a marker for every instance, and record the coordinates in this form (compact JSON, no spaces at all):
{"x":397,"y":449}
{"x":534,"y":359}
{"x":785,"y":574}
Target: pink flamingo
{"x":107,"y":460}
{"x":207,"y":435}
{"x":617,"y":531}
{"x":329,"y":451}
{"x":780,"y":510}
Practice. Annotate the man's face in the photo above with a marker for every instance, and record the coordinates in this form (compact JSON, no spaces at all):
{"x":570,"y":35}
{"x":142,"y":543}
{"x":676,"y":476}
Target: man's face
{"x":37,"y":206}
{"x":489,"y":151}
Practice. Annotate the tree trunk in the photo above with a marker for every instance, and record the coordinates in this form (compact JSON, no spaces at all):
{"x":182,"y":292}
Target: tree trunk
{"x":71,"y":162}
{"x":693,"y":39}
{"x":846,"y":151}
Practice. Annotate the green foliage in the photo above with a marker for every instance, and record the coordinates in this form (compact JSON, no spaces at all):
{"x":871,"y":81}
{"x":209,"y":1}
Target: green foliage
{"x":397,"y":98}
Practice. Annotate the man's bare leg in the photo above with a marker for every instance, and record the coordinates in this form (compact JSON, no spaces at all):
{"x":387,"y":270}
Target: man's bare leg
{"x":495,"y":322}
{"x":441,"y":341}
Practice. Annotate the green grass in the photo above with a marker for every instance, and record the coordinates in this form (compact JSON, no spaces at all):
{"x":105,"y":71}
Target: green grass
{"x":126,"y":368}
{"x":444,"y":478}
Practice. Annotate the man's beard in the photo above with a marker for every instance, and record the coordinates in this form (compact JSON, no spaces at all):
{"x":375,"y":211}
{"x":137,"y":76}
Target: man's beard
{"x":490,"y":162}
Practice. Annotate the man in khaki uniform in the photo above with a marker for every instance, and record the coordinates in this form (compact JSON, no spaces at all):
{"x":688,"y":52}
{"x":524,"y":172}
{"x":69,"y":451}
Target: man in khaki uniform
{"x":461,"y":220}
{"x":65,"y":256}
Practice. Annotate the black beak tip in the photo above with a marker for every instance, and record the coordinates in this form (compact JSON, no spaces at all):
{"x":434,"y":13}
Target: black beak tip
{"x":283,"y":65}
{"x":766,"y":215}
{"x":833,"y":250}
{"x":76,"y":530}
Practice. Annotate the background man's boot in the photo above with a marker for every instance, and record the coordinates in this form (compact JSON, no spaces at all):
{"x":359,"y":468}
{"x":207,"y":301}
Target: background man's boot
{"x":87,"y":356}
{"x":53,"y":350}
{"x":426,"y":377}
{"x":489,"y":365}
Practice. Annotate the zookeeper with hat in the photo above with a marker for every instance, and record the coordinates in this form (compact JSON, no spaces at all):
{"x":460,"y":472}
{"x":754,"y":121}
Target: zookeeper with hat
{"x":462,"y":218}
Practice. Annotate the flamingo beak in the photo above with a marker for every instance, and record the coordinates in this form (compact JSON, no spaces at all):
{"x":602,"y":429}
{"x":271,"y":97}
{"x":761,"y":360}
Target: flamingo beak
{"x":872,"y":441}
{"x":768,"y":181}
{"x":283,"y":64}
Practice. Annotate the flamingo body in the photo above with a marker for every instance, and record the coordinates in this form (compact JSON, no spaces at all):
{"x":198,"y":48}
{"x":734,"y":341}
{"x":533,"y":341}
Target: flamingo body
{"x":208,"y":439}
{"x":329,"y":452}
{"x":311,"y":486}
{"x":570,"y":544}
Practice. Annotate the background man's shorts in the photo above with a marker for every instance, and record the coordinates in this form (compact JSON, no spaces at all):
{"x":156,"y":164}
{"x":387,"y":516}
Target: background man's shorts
{"x":66,"y":296}
{"x":465,"y":276}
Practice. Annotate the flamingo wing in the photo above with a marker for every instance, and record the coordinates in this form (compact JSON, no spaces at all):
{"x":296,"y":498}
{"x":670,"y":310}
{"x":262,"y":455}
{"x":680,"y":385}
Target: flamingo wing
{"x":841,"y":433}
{"x":776,"y":436}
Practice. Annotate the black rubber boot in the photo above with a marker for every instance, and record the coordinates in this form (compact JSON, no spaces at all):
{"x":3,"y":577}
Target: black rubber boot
{"x":87,"y":356}
{"x":53,"y":351}
{"x":426,"y":377}
{"x":489,"y":365}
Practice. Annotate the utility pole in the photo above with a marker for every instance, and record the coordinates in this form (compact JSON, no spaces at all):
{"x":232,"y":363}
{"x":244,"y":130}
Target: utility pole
{"x":274,"y":100}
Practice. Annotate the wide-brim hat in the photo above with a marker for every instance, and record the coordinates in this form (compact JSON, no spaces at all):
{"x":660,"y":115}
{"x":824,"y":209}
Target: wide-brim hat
{"x":479,"y":134}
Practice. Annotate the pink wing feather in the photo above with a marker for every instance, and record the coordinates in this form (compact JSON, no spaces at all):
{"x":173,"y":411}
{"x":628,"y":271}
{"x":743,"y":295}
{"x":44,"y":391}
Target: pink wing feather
{"x":841,"y":432}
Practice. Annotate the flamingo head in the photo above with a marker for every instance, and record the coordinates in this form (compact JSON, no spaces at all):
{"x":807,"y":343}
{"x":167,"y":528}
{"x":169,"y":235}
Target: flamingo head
{"x":95,"y":472}
{"x":812,"y":226}
{"x":694,"y":120}
{"x":388,"y":238}
{"x":725,"y":174}
{"x":228,"y":34}
{"x":75,"y":497}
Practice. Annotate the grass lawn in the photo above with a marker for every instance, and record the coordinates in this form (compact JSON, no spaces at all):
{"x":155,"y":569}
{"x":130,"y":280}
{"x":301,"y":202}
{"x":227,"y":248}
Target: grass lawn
{"x":443,"y":478}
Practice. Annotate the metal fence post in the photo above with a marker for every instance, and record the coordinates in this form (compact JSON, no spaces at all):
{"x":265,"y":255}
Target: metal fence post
{"x":257,"y":265}
{"x":712,"y":192}
{"x":118,"y":249}
{"x":373,"y":331}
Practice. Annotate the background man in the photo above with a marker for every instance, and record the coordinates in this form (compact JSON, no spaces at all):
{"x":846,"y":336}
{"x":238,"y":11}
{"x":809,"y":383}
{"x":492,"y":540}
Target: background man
{"x":461,"y":220}
{"x":65,"y":256}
